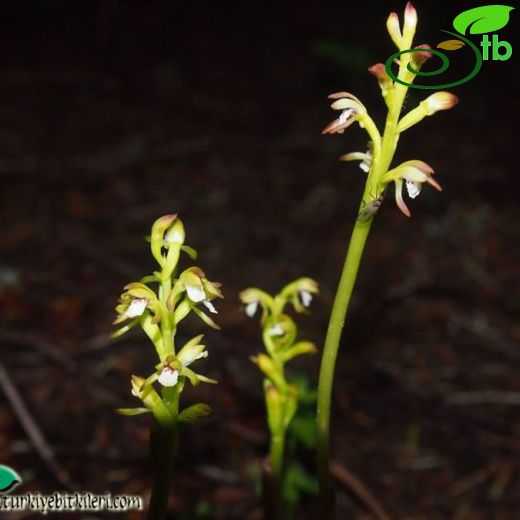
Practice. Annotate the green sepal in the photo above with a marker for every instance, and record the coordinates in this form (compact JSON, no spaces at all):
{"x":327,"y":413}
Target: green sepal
{"x":151,"y":278}
{"x":126,"y":328}
{"x":205,"y":318}
{"x":192,"y":253}
{"x":130,"y":412}
{"x":298,"y":349}
{"x":195,"y":413}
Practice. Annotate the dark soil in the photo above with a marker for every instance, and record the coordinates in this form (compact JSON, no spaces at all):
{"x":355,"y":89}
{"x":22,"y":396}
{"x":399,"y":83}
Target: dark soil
{"x":113,"y":113}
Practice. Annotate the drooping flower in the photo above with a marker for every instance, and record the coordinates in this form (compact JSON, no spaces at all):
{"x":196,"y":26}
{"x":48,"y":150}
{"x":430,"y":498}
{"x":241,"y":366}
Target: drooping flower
{"x":383,"y":79}
{"x":199,"y":289}
{"x":412,"y":174}
{"x":136,"y":308}
{"x":167,"y":372}
{"x":351,"y":109}
{"x":251,"y":308}
{"x":253,"y":298}
{"x":300,"y":293}
{"x":365,"y":158}
{"x":133,"y":303}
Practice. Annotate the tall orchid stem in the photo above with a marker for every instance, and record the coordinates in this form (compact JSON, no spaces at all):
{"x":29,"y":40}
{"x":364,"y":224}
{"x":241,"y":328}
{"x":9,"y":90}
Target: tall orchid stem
{"x":362,"y":226}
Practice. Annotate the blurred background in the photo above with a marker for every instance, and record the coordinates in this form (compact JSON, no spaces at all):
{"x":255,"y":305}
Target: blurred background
{"x":114,"y":112}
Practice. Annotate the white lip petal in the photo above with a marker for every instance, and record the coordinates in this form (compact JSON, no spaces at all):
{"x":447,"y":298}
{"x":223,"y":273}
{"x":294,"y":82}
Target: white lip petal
{"x":168,"y":377}
{"x":364,"y":166}
{"x":209,"y":306}
{"x":413,"y":189}
{"x":345,"y":114}
{"x":306,"y":298}
{"x":276,"y":330}
{"x":174,"y":237}
{"x":251,"y":308}
{"x":195,"y":293}
{"x":136,"y":308}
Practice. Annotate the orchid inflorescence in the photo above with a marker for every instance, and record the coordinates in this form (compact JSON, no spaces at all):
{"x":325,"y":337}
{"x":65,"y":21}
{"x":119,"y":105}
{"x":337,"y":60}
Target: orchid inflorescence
{"x":158,"y":312}
{"x":376,"y":160}
{"x":279,"y":333}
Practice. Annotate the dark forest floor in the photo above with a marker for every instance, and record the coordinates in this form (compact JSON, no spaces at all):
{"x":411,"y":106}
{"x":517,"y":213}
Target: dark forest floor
{"x":427,"y":392}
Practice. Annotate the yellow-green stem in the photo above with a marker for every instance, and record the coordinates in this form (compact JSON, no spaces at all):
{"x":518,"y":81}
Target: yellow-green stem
{"x":344,"y":291}
{"x":330,"y":350}
{"x":164,"y":437}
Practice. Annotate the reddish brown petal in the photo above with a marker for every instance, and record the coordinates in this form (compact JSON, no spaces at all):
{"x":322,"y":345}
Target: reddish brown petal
{"x":378,"y":70}
{"x":335,"y":126}
{"x":399,"y":199}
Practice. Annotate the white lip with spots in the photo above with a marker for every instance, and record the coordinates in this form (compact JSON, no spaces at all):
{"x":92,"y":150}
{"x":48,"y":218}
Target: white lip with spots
{"x":168,"y":377}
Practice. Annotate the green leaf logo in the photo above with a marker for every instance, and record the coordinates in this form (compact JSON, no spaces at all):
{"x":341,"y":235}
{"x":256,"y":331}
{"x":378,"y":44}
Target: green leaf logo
{"x":484,"y":19}
{"x":9,"y":479}
{"x":450,"y":45}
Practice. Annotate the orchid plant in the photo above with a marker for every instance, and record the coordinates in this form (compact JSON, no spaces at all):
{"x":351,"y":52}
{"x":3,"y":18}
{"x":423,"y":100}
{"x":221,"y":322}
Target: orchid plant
{"x":158,"y":311}
{"x":279,"y":334}
{"x":376,"y":164}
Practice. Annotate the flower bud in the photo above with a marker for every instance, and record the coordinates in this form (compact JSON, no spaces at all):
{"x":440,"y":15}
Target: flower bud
{"x":384,"y":80}
{"x":420,"y":57}
{"x":439,"y":101}
{"x":394,"y":29}
{"x":175,"y":234}
{"x":159,"y":228}
{"x":410,"y":24}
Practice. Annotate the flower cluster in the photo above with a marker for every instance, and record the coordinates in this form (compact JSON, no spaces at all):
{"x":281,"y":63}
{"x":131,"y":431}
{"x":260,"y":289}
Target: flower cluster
{"x":279,"y":334}
{"x":376,"y":160}
{"x":159,"y":311}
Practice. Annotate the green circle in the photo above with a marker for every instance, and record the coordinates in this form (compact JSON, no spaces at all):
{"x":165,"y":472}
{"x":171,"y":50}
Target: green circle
{"x":442,"y":68}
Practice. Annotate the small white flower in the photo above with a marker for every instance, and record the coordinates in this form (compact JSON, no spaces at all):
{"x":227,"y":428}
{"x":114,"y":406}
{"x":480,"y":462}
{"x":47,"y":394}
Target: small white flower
{"x":209,"y":306}
{"x":413,"y":189}
{"x":276,"y":330}
{"x":168,"y":377}
{"x":251,"y":308}
{"x":306,"y":298}
{"x":195,"y":293}
{"x":136,"y":308}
